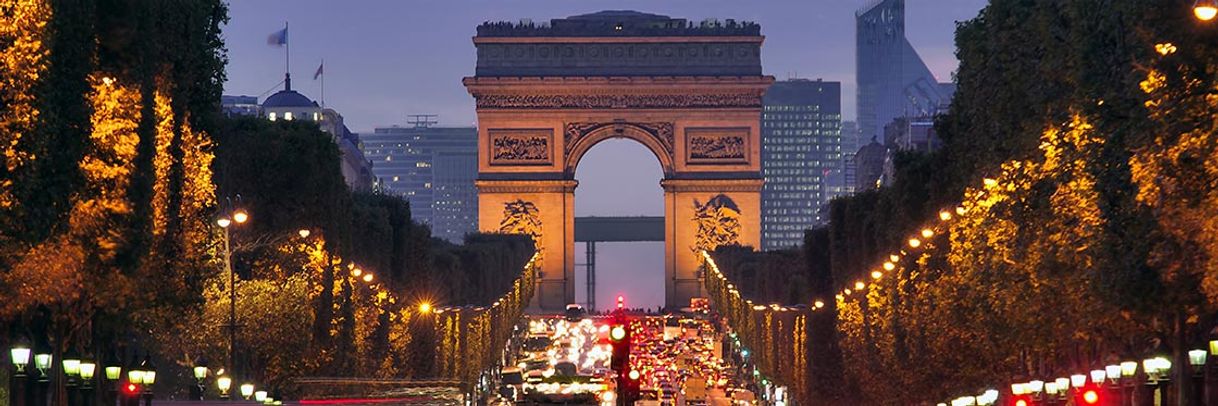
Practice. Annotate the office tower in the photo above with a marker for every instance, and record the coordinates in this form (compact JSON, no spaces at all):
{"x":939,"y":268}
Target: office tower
{"x":800,"y":155}
{"x":892,"y":79}
{"x":432,"y":167}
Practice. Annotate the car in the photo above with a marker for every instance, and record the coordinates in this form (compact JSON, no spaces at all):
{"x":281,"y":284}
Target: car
{"x":575,"y":312}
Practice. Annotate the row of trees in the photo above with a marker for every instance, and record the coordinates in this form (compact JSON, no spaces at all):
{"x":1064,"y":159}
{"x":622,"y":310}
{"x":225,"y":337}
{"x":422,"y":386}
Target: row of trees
{"x":116,"y":165}
{"x":1093,"y":241}
{"x":106,"y":111}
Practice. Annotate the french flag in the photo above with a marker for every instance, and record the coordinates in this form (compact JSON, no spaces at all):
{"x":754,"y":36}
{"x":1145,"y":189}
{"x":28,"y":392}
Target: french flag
{"x":278,"y":37}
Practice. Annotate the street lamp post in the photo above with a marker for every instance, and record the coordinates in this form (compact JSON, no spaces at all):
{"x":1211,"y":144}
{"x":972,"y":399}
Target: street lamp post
{"x":42,"y":362}
{"x":224,"y":383}
{"x":147,"y":379}
{"x":1196,"y":359}
{"x":20,"y":355}
{"x":88,"y":370}
{"x":227,"y":219}
{"x":71,"y":370}
{"x":200,"y":372}
{"x":114,"y":373}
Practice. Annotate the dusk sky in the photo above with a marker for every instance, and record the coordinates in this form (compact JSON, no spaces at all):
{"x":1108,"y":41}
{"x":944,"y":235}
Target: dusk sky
{"x":386,"y":59}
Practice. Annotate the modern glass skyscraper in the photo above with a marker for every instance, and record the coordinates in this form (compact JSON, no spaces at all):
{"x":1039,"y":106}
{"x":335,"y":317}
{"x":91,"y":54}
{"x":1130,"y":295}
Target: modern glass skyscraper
{"x":432,"y":167}
{"x":892,"y":79}
{"x":800,"y":152}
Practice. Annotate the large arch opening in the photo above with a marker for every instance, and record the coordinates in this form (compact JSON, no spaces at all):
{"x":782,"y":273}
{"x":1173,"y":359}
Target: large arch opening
{"x":620,"y":177}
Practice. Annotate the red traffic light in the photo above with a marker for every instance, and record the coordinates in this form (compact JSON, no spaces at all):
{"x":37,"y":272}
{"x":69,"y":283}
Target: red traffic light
{"x":1091,"y":397}
{"x":633,"y":375}
{"x":621,"y":302}
{"x":131,"y":389}
{"x":617,"y":333}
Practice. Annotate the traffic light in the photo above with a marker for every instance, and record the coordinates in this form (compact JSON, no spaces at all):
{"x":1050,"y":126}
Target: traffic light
{"x":1089,"y":396}
{"x":619,"y":338}
{"x":631,"y":387}
{"x":1021,"y":400}
{"x":621,"y":302}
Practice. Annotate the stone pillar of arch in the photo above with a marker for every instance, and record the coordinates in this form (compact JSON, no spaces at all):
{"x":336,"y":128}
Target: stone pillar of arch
{"x":703,"y":129}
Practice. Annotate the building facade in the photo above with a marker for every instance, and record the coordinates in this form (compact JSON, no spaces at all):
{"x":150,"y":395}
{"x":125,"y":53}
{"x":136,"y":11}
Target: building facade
{"x":801,"y":158}
{"x":893,"y":81}
{"x":691,"y":93}
{"x":432,"y":167}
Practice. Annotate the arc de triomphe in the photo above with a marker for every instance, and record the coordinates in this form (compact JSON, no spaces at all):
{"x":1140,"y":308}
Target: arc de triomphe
{"x":689,"y":92}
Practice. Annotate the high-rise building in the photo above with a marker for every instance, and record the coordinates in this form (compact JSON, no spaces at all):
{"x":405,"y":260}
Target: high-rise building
{"x":800,"y":153}
{"x":432,"y":167}
{"x":850,"y":147}
{"x":892,"y":79}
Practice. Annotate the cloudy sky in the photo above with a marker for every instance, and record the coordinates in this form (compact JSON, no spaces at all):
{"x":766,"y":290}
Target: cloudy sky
{"x":385,"y":59}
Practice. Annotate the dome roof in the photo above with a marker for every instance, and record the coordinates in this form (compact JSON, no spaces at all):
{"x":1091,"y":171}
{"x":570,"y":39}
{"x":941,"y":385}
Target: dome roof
{"x":288,"y":98}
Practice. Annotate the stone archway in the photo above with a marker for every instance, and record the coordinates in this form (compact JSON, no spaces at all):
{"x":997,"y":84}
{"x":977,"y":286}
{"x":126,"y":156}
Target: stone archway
{"x":579,"y":138}
{"x":698,"y":113}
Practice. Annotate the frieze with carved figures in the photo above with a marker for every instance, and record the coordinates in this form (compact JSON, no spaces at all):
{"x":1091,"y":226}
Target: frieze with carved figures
{"x":717,"y":145}
{"x":520,"y":146}
{"x":617,"y":101}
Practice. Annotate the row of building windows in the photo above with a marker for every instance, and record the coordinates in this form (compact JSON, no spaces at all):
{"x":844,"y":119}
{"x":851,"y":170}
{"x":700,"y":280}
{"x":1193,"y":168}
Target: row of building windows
{"x":772,"y":107}
{"x":808,"y":117}
{"x":795,"y":187}
{"x":804,"y":225}
{"x":288,"y":116}
{"x":799,"y":124}
{"x":789,"y":212}
{"x":802,"y":132}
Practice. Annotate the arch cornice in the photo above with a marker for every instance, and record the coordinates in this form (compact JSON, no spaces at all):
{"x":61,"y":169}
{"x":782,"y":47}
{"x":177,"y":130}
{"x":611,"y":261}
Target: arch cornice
{"x":580,"y":137}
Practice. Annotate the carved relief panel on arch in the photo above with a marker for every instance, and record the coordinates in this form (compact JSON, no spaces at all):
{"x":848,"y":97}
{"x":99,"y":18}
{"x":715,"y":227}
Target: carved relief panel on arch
{"x":521,"y":146}
{"x":717,"y":146}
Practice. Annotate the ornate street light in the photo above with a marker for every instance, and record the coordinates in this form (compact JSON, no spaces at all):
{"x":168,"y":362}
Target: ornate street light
{"x":260,"y":396}
{"x":224,"y":383}
{"x":1078,"y":380}
{"x":71,"y":366}
{"x":1113,"y":373}
{"x":20,"y":354}
{"x":1196,"y":358}
{"x":87,"y":370}
{"x":247,"y":390}
{"x":1128,"y":368}
{"x":1205,"y":10}
{"x":42,"y":362}
{"x":200,"y":372}
{"x":1097,"y":376}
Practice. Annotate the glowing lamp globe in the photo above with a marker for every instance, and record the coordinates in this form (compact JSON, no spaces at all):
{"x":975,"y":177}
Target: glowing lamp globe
{"x":21,"y":356}
{"x":1205,"y":10}
{"x":114,"y":372}
{"x":247,"y":390}
{"x":43,"y":362}
{"x":200,"y":372}
{"x":87,"y":370}
{"x":71,"y":366}
{"x":224,"y":383}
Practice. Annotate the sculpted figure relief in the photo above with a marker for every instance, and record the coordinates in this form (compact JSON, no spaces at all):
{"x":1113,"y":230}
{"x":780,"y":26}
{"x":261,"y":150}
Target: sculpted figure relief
{"x":718,"y":223}
{"x":519,"y":147}
{"x":521,"y":217}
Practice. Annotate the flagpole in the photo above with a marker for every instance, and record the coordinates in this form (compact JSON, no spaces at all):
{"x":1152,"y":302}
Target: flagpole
{"x":287,"y":54}
{"x":323,"y":84}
